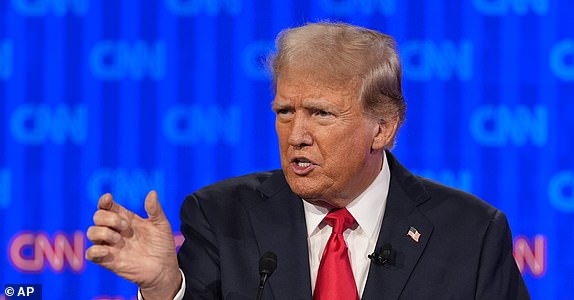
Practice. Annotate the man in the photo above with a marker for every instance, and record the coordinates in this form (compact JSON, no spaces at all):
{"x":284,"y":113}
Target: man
{"x":339,"y":196}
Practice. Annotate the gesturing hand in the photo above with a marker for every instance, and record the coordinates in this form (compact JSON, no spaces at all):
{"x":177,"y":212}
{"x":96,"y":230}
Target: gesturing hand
{"x":137,"y":249}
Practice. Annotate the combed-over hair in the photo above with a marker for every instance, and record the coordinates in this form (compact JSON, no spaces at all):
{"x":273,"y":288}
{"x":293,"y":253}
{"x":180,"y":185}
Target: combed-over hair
{"x":341,"y":54}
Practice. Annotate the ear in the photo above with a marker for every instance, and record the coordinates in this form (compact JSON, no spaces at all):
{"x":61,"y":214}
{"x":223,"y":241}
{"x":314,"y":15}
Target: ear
{"x":384,"y":133}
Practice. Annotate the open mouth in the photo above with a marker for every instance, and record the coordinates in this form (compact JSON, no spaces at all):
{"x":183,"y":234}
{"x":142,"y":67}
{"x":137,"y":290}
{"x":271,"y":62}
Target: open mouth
{"x":302,"y":162}
{"x":302,"y":166}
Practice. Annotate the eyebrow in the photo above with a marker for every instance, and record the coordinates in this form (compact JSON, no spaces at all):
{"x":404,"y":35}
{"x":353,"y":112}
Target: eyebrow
{"x":316,"y":104}
{"x":312,"y":104}
{"x":280,"y":104}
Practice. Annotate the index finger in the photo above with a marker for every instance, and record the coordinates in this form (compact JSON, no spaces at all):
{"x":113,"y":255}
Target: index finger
{"x":106,"y":202}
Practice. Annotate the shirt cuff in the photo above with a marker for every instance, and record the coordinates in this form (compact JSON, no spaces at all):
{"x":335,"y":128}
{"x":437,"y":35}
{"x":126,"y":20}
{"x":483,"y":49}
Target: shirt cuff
{"x":178,"y":296}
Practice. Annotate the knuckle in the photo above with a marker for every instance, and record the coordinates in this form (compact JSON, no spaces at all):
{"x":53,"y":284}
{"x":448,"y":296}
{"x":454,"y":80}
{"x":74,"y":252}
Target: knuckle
{"x":90,"y":255}
{"x":93,"y":234}
{"x":97,"y":217}
{"x":95,"y":253}
{"x":105,"y":218}
{"x":99,"y":234}
{"x":90,"y":232}
{"x":102,"y":235}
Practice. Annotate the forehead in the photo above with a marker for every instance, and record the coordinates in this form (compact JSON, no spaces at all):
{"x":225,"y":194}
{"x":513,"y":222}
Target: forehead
{"x":303,"y":84}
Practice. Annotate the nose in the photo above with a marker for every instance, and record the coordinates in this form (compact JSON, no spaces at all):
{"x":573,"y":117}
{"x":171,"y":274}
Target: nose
{"x":300,"y":135}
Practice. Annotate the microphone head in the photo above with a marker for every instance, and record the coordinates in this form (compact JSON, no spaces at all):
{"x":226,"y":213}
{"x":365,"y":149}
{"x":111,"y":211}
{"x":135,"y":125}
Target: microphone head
{"x":388,"y":254}
{"x":387,"y":250}
{"x":267,"y":263}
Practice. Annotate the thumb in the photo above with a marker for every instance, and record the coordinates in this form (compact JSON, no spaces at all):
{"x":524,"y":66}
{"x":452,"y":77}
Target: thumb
{"x":153,"y":208}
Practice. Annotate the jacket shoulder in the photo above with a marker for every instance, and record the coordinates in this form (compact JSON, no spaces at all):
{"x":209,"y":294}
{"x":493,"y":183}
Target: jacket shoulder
{"x":240,"y":189}
{"x":456,"y":205}
{"x":248,"y":181}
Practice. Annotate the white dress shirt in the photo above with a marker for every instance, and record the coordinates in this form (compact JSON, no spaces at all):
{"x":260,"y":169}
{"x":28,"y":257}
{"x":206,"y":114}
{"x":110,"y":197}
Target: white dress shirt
{"x":367,"y":209}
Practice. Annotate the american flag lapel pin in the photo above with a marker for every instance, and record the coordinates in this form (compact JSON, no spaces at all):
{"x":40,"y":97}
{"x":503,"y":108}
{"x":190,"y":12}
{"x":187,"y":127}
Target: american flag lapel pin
{"x":414,"y":234}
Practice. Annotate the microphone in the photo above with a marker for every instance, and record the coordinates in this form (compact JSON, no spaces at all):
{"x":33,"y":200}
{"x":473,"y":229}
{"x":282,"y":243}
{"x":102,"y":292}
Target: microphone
{"x":385,"y":258}
{"x":267,"y":265}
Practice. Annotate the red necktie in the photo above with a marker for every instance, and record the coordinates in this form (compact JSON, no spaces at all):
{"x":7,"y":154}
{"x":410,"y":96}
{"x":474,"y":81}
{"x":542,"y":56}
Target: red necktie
{"x":335,"y":278}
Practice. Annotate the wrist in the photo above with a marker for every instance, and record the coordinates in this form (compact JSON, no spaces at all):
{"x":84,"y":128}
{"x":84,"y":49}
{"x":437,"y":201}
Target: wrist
{"x":166,"y":288}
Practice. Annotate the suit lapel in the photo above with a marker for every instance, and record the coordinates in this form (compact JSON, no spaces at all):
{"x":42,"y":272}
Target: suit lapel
{"x":279,"y":226}
{"x":401,"y":213}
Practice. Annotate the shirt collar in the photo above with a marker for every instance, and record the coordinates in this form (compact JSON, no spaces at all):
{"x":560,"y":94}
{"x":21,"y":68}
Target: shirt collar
{"x":367,"y":209}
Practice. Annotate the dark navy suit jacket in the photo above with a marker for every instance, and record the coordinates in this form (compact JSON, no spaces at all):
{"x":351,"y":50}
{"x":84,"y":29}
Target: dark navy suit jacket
{"x":464,"y":251}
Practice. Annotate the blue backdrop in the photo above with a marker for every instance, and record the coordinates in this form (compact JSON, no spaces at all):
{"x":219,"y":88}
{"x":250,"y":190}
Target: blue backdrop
{"x":126,"y":96}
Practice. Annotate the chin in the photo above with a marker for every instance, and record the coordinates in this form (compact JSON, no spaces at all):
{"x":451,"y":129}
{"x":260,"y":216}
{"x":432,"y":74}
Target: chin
{"x":305,"y":192}
{"x":303,"y":187}
{"x":308,"y":191}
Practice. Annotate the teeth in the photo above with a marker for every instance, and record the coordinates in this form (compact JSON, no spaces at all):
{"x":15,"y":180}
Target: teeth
{"x":303,"y":164}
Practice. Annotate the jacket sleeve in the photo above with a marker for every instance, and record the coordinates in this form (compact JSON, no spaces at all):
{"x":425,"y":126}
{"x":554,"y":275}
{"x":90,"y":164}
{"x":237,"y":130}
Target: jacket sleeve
{"x":498,"y":274}
{"x":198,"y":256}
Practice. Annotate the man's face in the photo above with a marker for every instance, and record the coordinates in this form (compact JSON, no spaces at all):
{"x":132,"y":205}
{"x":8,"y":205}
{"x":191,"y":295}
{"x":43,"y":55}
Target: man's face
{"x":330,"y":150}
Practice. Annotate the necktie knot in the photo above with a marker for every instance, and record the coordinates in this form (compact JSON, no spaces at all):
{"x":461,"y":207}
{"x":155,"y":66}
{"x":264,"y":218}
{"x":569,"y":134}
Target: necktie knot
{"x":340,"y":219}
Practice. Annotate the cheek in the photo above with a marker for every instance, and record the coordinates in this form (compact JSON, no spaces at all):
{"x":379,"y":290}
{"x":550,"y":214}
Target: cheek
{"x":348,"y":150}
{"x":282,"y":133}
{"x":350,"y":137}
{"x":282,"y":136}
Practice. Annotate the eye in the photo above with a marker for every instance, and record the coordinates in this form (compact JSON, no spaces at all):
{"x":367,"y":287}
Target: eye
{"x":282,"y":111}
{"x":322,"y":113}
